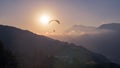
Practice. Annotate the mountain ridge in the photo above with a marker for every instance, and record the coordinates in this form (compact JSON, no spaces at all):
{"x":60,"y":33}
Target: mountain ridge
{"x":31,"y":49}
{"x":110,"y":26}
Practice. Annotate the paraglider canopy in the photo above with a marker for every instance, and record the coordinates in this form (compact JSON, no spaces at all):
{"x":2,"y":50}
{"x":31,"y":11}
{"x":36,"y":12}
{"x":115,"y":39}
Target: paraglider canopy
{"x":54,"y":21}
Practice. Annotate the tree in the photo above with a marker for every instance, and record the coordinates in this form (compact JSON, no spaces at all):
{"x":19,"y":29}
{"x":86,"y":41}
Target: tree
{"x":7,"y":60}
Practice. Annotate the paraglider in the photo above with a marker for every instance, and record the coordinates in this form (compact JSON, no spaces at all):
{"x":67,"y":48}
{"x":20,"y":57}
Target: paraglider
{"x":53,"y":30}
{"x":57,"y":21}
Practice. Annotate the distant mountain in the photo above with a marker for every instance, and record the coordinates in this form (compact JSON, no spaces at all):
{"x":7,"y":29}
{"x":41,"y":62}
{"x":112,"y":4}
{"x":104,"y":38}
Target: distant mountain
{"x":111,"y":26}
{"x":37,"y":51}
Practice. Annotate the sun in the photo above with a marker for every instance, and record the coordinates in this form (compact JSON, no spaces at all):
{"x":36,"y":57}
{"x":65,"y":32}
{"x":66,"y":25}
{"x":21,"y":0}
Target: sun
{"x":44,"y":19}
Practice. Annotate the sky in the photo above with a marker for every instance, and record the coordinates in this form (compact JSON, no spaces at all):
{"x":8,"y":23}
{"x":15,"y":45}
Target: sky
{"x":25,"y":13}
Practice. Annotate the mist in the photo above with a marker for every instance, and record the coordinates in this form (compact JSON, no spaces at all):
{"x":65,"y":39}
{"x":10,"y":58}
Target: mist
{"x":101,"y":40}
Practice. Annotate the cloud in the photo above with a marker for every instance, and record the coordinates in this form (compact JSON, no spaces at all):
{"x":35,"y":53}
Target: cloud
{"x":104,"y":39}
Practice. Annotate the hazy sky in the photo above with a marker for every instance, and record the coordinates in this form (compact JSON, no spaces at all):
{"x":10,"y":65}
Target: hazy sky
{"x":24,"y":13}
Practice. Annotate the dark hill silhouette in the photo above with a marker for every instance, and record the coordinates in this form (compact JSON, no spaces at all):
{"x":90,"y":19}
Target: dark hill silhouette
{"x":37,"y":51}
{"x":7,"y":60}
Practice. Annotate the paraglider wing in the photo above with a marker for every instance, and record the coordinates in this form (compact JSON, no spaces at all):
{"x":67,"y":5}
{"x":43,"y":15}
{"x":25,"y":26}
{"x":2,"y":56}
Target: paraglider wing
{"x":55,"y":21}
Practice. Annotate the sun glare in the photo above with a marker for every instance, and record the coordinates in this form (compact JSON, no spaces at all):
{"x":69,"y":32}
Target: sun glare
{"x":44,"y":19}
